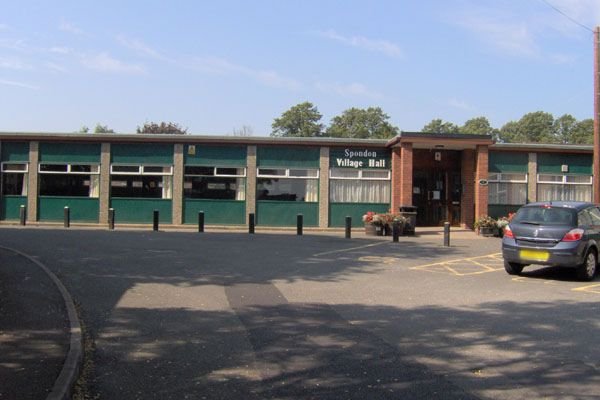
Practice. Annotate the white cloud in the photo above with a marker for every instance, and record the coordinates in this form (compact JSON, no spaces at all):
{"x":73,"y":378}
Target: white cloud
{"x":139,"y":47}
{"x":220,"y":66}
{"x":103,"y":62}
{"x":349,"y":90}
{"x":381,"y":46}
{"x":69,"y":28}
{"x":567,"y":59}
{"x":18,"y":84}
{"x":60,"y":50}
{"x":14,"y":63}
{"x":55,"y":67}
{"x":460,"y":104}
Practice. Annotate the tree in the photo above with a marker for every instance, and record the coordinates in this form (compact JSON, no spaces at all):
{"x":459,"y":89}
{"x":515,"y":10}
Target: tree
{"x":370,"y":123}
{"x":163,"y":127}
{"x":83,"y":129}
{"x":302,"y":120}
{"x":245,"y":130}
{"x":562,"y":129}
{"x":583,"y":132}
{"x":103,"y":129}
{"x":477,"y":126}
{"x":439,"y":126}
{"x":534,"y":127}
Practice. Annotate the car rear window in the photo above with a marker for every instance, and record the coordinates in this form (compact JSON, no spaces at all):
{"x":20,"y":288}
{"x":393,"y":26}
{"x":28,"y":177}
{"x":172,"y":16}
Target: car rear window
{"x":545,"y":216}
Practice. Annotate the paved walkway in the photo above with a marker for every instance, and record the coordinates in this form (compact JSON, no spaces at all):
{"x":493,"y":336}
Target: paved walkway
{"x":34,"y":329}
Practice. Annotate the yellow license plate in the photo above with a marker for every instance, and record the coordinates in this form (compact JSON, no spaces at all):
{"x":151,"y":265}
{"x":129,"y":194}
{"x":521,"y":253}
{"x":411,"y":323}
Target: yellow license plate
{"x":534,"y":255}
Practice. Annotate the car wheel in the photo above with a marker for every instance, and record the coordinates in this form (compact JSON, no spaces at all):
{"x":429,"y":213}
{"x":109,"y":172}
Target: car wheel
{"x":513,"y":268}
{"x":587,"y":270}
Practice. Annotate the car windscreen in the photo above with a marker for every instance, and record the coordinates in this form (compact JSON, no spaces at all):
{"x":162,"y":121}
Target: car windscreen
{"x":545,"y":216}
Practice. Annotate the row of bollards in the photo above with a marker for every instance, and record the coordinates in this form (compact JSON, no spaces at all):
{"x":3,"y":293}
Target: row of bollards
{"x":251,"y":223}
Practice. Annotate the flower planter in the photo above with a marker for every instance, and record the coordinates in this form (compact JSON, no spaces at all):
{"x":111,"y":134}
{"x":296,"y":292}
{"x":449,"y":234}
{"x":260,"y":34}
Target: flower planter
{"x":370,"y":230}
{"x":486,"y":231}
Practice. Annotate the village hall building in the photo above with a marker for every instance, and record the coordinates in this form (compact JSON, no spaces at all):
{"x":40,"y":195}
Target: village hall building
{"x":447,"y":177}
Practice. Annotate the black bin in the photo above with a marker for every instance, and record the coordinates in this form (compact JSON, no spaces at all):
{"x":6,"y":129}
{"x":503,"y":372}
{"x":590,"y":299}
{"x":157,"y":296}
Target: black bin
{"x":410,"y":213}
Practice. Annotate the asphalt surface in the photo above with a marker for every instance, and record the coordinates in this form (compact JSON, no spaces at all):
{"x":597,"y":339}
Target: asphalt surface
{"x":227,"y":315}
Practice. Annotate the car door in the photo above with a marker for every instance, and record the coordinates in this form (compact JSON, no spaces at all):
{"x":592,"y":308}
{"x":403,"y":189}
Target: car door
{"x":594,"y":228}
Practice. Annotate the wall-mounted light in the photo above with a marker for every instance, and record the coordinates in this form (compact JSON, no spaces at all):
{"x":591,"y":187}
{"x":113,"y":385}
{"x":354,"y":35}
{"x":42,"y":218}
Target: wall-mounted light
{"x":438,"y":156}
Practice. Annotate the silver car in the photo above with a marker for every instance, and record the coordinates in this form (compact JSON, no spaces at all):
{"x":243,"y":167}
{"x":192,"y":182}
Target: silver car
{"x":563,"y":234}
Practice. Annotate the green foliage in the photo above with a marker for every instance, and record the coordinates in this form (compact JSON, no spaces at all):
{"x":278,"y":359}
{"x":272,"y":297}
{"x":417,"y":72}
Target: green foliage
{"x":583,"y":132}
{"x":477,"y":126}
{"x":370,"y":123}
{"x":541,"y":127}
{"x":83,"y":129}
{"x":162,"y":128}
{"x":439,"y":126}
{"x":103,"y":129}
{"x":302,"y":120}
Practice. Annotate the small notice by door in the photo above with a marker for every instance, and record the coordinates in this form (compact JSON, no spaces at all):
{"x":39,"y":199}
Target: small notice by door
{"x":416,"y":190}
{"x":435,"y":195}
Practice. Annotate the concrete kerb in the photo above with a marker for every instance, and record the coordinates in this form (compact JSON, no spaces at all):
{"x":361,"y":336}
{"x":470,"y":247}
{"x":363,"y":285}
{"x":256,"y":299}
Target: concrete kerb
{"x":72,"y":365}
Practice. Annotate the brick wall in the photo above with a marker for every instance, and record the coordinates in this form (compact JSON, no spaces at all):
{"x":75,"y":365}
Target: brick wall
{"x":481,"y":172}
{"x":468,"y":188}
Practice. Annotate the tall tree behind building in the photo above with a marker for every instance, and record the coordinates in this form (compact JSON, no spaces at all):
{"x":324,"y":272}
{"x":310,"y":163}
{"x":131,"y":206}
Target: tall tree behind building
{"x":359,"y":123}
{"x":301,"y":120}
{"x":164,"y":128}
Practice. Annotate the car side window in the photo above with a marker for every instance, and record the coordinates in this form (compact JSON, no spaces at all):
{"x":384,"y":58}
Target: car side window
{"x":584,"y":219}
{"x":594,"y":215}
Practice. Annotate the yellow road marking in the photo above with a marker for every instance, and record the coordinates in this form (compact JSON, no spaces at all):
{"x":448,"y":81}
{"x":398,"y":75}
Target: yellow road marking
{"x":595,"y":288}
{"x":349,"y":249}
{"x":524,"y":279}
{"x":485,"y":264}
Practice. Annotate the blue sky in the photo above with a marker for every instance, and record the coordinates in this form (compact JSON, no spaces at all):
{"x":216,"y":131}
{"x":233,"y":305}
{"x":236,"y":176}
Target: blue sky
{"x":213,"y":66}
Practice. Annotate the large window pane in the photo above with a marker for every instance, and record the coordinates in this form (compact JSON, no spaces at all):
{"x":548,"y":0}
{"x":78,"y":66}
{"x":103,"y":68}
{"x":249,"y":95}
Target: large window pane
{"x":507,"y":193}
{"x":201,"y":187}
{"x":559,"y":192}
{"x":73,"y":185}
{"x":286,"y":189}
{"x":145,"y":186}
{"x":359,"y":191}
{"x":14,"y":184}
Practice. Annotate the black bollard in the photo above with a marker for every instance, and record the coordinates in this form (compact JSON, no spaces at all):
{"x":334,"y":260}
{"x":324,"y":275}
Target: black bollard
{"x":111,"y":219}
{"x":395,"y":232}
{"x":67,"y":217}
{"x":155,"y":220}
{"x":299,"y":223}
{"x":447,"y":234}
{"x":201,"y":221}
{"x":348,"y":227}
{"x":251,"y":223}
{"x":22,"y":215}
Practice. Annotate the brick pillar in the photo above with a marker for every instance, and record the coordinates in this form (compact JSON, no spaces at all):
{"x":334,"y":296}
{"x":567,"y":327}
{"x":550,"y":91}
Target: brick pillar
{"x":32,"y":181}
{"x":406,"y":174}
{"x":468,"y":189}
{"x":532,"y":178}
{"x":396,"y":179}
{"x":481,"y":172}
{"x":178,"y":184}
{"x":250,"y":181}
{"x":324,"y":188}
{"x":104,"y":183}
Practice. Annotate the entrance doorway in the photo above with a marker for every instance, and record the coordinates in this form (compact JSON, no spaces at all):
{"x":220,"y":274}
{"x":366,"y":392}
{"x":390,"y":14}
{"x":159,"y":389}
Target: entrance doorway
{"x":437,"y":187}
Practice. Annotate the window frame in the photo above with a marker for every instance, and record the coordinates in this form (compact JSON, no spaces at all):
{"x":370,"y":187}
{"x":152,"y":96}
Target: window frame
{"x":69,"y":171}
{"x":360,"y":174}
{"x":563,"y":181}
{"x":11,"y":171}
{"x":500,"y":174}
{"x":216,"y":173}
{"x":287,"y":173}
{"x":141,"y":169}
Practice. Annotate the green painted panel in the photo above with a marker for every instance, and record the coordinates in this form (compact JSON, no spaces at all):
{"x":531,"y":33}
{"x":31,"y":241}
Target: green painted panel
{"x":550,"y":163}
{"x":141,"y":210}
{"x":339,"y":211}
{"x":217,"y":212}
{"x":508,"y":162}
{"x":15,"y":151}
{"x":283,"y":213}
{"x":352,"y":157}
{"x":11,"y":207}
{"x":501,"y":210}
{"x":142,"y":153}
{"x":226,"y":156}
{"x":70,"y":152}
{"x":288,"y":157}
{"x":82,"y":209}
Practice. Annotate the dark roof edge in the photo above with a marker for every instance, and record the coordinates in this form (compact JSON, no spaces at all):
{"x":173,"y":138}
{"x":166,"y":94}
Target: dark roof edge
{"x":542,"y":146}
{"x":176,"y":138}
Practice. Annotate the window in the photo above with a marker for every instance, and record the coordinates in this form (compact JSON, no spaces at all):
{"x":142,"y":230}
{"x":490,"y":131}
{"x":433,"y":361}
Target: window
{"x":142,"y":181}
{"x":507,"y":188}
{"x":288,"y":184}
{"x":14,"y":179}
{"x":222,"y":183}
{"x":564,"y":187}
{"x":73,"y":180}
{"x":349,"y":185}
